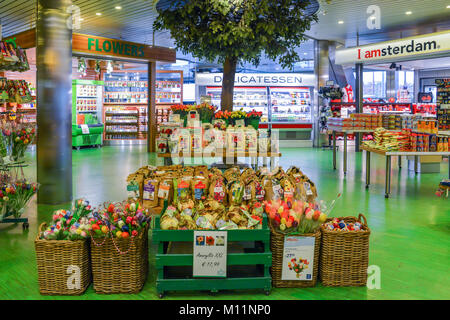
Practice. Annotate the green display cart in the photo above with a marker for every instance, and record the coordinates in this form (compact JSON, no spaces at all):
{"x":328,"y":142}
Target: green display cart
{"x":248,"y":261}
{"x":93,"y":138}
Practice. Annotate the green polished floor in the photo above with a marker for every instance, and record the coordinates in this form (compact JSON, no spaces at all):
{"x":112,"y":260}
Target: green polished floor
{"x":410,"y":238}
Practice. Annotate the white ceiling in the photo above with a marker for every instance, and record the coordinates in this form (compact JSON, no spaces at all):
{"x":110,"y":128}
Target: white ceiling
{"x":426,"y":16}
{"x":134,"y":22}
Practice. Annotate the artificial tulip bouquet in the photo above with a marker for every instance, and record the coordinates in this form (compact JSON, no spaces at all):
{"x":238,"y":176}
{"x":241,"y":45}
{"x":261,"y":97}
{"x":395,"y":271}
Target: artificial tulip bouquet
{"x":119,"y":220}
{"x":294,"y":216}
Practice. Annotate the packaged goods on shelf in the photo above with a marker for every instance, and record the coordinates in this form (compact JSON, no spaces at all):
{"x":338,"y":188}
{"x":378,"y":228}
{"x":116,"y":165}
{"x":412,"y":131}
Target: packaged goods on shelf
{"x":12,"y":57}
{"x":192,"y":189}
{"x":443,"y":103}
{"x":15,"y":91}
{"x":356,"y":121}
{"x":408,"y":140}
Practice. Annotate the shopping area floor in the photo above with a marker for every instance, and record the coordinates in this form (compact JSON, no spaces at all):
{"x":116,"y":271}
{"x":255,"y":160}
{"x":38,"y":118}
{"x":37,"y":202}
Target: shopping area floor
{"x":410,"y":237}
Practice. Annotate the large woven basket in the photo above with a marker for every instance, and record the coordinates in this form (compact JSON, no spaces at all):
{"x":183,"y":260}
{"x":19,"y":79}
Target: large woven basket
{"x":344,"y":255}
{"x":120,"y":265}
{"x":58,"y":262}
{"x":277,"y":248}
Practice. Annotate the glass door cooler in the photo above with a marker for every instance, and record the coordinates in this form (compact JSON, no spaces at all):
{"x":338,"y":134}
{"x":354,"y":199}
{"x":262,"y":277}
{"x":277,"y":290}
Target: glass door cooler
{"x":290,"y":104}
{"x":245,"y":98}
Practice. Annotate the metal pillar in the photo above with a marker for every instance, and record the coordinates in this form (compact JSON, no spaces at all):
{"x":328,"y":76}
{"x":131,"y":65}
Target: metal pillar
{"x":151,"y":107}
{"x":358,"y":99}
{"x":54,"y":98}
{"x":322,"y":73}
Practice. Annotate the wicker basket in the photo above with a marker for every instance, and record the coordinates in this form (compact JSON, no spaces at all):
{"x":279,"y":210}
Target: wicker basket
{"x":120,"y":265}
{"x":277,"y":248}
{"x":54,"y":257}
{"x":344,"y":255}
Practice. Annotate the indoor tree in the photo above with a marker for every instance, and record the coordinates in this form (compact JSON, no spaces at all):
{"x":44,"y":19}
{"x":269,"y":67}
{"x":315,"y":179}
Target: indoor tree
{"x":234,"y":31}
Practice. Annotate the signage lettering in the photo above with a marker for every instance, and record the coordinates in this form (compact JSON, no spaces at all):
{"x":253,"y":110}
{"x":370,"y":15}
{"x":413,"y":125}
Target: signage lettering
{"x":117,"y":47}
{"x":432,"y":43}
{"x":106,"y":46}
{"x":261,"y":79}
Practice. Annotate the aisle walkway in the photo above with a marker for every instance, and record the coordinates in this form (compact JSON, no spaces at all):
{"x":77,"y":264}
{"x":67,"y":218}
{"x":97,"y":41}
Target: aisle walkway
{"x":410,"y":238}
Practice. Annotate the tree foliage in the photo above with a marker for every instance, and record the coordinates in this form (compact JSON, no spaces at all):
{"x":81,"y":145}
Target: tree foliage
{"x":237,"y":29}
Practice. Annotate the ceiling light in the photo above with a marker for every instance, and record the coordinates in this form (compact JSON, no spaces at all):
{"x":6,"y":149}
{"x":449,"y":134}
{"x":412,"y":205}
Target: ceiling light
{"x":118,"y":7}
{"x":98,"y":14}
{"x":341,"y":22}
{"x":448,"y":7}
{"x":408,"y":12}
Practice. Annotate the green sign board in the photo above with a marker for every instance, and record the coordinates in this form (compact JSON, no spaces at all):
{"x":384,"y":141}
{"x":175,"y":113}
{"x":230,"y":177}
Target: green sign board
{"x":117,"y":47}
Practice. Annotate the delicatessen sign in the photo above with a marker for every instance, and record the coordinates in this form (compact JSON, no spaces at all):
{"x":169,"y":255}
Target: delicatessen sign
{"x":259,"y":79}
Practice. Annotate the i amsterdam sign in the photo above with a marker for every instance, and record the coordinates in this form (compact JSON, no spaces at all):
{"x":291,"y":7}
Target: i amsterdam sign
{"x":259,"y":79}
{"x":403,"y":49}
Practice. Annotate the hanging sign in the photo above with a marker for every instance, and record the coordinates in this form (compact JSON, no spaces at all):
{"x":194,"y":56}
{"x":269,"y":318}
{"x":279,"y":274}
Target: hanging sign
{"x":84,"y":128}
{"x":407,"y":48}
{"x":100,"y":46}
{"x":210,"y":254}
{"x":298,"y":258}
{"x":258,"y":79}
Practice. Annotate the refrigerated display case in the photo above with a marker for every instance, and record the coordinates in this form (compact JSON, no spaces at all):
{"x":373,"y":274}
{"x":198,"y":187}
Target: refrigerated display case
{"x":290,"y":104}
{"x":285,"y":99}
{"x":245,"y":98}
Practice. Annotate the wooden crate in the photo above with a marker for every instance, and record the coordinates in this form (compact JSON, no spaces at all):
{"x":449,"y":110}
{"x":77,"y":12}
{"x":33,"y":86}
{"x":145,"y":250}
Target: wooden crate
{"x":248,"y":261}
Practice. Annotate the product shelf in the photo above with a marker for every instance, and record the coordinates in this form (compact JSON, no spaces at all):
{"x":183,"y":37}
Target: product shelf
{"x":246,"y":269}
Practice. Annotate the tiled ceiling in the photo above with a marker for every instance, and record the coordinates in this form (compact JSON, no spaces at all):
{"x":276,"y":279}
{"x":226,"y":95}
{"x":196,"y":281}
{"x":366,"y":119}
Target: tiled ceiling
{"x":426,"y":16}
{"x":134,"y":21}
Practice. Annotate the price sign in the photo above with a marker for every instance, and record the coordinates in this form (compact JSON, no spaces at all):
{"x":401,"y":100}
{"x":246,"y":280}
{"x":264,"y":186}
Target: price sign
{"x":84,"y":128}
{"x":210,"y":254}
{"x":298,"y":258}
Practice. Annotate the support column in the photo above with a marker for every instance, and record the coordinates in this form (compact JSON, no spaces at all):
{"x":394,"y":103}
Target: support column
{"x":322,"y":73}
{"x":391,"y":90}
{"x":358,"y":99}
{"x":151,"y":107}
{"x":54,"y":98}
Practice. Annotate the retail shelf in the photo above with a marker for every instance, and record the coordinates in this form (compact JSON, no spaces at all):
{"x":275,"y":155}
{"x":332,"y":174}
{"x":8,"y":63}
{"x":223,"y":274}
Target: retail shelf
{"x":124,"y":103}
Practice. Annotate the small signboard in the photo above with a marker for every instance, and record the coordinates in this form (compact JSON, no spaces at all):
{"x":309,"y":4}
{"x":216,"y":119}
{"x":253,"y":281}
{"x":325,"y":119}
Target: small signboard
{"x":210,"y":254}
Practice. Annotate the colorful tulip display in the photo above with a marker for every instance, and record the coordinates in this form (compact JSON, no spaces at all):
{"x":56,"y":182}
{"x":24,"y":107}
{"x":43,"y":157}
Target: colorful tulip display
{"x":119,"y":220}
{"x":14,"y":197}
{"x":294,"y":216}
{"x":69,"y":224}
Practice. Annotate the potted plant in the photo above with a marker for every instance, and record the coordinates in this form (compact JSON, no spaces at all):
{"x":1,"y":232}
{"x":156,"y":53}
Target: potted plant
{"x":237,"y":115}
{"x":182,"y":110}
{"x":206,"y":112}
{"x":221,"y":119}
{"x":253,"y":119}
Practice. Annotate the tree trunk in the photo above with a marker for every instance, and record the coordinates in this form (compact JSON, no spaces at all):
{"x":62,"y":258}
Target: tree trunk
{"x":229,"y":71}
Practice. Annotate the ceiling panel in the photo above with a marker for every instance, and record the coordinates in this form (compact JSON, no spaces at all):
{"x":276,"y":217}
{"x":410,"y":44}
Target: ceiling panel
{"x":426,"y":16}
{"x":134,"y":22}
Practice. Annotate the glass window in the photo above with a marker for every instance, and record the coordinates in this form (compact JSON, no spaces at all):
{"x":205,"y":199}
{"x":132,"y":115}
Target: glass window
{"x":374,"y":84}
{"x":406,"y":79}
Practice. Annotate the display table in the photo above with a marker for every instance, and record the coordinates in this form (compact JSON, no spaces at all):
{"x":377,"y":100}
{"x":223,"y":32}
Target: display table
{"x":253,"y":155}
{"x":345,"y":132}
{"x":388,"y":155}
